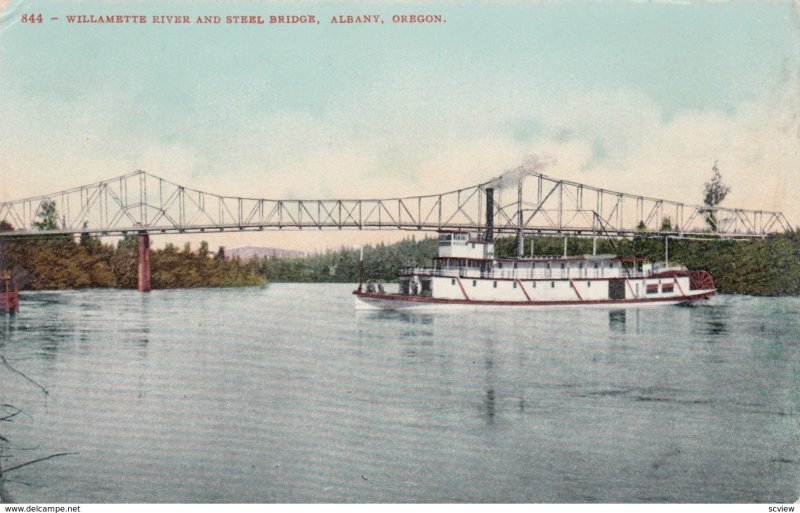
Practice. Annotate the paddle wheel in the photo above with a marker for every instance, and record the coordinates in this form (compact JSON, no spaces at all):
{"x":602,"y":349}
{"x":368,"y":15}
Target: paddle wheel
{"x":701,"y":280}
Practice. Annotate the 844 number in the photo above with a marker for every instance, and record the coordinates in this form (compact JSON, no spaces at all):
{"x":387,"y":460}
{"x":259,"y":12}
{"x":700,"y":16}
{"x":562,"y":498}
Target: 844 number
{"x":32,"y":18}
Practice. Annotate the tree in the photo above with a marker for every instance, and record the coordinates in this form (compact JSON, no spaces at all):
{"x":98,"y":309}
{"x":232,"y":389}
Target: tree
{"x":48,"y":217}
{"x":715,"y":192}
{"x":90,"y":243}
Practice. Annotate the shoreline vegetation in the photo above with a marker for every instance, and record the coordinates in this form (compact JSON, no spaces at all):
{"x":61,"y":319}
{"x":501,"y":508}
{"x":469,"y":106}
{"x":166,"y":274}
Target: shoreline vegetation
{"x":61,"y":262}
{"x":760,"y":267}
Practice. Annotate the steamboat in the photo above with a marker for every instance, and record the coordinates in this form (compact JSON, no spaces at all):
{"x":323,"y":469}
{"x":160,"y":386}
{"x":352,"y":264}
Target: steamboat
{"x":466,"y":273}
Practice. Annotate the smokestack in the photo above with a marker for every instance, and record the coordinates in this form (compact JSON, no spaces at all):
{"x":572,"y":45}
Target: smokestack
{"x":489,"y":215}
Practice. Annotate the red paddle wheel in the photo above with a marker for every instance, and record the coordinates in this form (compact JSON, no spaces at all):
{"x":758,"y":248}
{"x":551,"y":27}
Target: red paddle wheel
{"x":701,"y":280}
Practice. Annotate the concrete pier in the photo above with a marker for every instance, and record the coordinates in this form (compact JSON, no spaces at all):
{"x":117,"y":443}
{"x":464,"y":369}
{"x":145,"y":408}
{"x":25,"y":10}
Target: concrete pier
{"x":144,"y":262}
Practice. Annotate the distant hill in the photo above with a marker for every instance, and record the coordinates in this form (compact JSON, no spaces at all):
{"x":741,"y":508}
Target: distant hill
{"x":249,"y":252}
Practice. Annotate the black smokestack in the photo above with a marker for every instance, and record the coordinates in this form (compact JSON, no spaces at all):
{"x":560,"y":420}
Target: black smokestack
{"x":489,"y":215}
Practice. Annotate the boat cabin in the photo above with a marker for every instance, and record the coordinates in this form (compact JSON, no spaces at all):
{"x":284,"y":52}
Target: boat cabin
{"x":461,"y":245}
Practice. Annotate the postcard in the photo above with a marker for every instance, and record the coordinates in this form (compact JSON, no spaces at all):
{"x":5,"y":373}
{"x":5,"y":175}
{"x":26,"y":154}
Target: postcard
{"x":399,"y":252}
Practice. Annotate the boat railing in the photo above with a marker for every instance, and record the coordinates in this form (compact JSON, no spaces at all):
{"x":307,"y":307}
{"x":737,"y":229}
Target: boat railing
{"x":525,"y":274}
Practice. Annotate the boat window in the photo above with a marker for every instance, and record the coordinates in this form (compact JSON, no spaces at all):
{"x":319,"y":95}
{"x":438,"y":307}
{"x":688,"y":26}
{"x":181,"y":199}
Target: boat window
{"x":595,"y":265}
{"x":515,"y":284}
{"x":499,"y":265}
{"x":552,"y":284}
{"x":562,"y":266}
{"x":495,"y":285}
{"x":474,"y":283}
{"x":580,"y":265}
{"x":588,"y":284}
{"x":533,"y":284}
{"x":453,"y":281}
{"x":515,"y":265}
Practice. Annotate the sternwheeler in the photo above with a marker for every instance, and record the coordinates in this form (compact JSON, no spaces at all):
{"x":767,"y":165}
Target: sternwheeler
{"x":467,"y":273}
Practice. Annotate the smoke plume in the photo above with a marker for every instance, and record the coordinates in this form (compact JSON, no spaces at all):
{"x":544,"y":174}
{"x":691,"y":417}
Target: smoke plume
{"x":533,"y":165}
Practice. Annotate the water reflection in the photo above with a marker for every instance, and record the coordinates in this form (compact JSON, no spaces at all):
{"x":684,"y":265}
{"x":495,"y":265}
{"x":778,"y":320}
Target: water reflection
{"x":616,"y":320}
{"x":52,"y":321}
{"x":398,"y":315}
{"x":491,"y":381}
{"x":713,"y":319}
{"x":489,"y":405}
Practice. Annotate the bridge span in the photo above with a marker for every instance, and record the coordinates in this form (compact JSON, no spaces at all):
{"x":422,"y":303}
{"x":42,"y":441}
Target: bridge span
{"x":140,"y":202}
{"x":523,"y":202}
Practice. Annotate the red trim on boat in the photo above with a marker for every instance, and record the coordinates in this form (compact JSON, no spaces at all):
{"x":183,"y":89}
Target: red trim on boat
{"x":421,"y":299}
{"x":523,"y":290}
{"x":462,"y":288}
{"x":572,"y":284}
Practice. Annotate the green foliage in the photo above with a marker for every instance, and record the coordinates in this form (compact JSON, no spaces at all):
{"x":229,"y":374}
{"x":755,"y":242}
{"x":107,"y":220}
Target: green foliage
{"x":760,"y":267}
{"x":124,"y":262}
{"x":59,"y":262}
{"x":714,"y":193}
{"x":62,"y":263}
{"x":171,"y":269}
{"x":381,"y":262}
{"x":47,"y":216}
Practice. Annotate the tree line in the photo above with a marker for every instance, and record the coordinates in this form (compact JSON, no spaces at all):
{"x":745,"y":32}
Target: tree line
{"x":60,"y":261}
{"x":768,"y":267}
{"x":762,"y":267}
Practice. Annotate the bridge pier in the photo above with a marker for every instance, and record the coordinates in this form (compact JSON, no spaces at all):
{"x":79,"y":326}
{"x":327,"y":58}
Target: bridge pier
{"x":144,"y":262}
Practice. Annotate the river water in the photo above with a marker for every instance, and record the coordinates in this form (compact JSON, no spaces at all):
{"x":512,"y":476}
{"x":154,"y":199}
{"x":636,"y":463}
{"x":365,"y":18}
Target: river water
{"x":287,"y":394}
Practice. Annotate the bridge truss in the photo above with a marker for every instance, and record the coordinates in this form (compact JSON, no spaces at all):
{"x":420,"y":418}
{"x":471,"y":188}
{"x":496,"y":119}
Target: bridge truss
{"x":140,"y":202}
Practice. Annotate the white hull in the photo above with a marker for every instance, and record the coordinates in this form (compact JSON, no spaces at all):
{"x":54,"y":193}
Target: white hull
{"x":396,"y":302}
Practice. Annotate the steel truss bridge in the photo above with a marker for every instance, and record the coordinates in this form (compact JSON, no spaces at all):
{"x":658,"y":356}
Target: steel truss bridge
{"x":142,"y":203}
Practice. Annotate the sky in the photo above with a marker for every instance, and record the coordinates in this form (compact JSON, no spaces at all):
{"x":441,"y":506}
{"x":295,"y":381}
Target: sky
{"x":640,"y":97}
